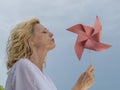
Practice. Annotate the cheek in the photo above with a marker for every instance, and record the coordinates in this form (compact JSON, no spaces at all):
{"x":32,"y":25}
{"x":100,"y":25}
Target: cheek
{"x":41,"y":40}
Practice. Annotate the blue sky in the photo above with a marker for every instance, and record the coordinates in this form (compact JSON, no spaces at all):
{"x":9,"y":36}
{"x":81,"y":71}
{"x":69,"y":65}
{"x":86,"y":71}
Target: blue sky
{"x":57,"y":15}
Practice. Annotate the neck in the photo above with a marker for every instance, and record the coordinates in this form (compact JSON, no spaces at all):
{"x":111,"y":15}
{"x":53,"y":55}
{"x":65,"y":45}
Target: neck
{"x":38,"y":57}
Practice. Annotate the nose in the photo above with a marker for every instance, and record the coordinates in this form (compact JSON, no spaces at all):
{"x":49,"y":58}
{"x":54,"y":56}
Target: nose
{"x":50,"y":34}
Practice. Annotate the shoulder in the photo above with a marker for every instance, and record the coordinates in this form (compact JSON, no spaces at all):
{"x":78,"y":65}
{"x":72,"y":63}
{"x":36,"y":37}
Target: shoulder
{"x":22,"y":61}
{"x":23,"y":65}
{"x":22,"y":75}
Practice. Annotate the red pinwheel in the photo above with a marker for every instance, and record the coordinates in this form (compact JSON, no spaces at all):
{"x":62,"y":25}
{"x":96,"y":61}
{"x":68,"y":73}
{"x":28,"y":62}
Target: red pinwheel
{"x":88,"y":37}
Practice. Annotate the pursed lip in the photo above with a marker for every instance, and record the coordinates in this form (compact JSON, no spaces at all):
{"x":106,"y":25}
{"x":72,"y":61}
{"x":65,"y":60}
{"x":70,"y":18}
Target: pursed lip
{"x":52,"y":39}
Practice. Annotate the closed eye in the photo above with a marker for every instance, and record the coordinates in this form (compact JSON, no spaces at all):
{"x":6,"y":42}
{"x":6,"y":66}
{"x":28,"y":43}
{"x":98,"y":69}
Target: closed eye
{"x":44,"y":32}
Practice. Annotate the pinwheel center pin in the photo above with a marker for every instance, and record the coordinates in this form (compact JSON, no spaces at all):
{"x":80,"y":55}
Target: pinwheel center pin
{"x":88,"y":37}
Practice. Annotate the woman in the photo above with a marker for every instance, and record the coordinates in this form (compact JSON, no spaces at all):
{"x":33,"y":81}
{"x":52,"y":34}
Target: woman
{"x":27,"y":48}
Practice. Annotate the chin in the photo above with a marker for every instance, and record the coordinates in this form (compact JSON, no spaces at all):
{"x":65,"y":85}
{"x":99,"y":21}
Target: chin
{"x":52,"y":47}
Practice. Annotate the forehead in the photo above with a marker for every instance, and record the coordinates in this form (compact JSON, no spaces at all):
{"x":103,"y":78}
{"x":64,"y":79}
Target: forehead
{"x":39,"y":27}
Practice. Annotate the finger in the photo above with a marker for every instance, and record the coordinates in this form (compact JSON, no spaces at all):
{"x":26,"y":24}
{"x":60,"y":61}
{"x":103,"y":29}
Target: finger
{"x":93,"y":72}
{"x":90,"y":74}
{"x":90,"y":69}
{"x":90,"y":82}
{"x":90,"y":77}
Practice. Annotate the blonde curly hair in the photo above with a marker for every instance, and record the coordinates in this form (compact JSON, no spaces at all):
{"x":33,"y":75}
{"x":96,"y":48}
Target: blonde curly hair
{"x":17,"y":45}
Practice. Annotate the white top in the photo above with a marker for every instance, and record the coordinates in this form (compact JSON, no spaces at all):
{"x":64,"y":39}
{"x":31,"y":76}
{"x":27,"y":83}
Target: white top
{"x":24,"y":75}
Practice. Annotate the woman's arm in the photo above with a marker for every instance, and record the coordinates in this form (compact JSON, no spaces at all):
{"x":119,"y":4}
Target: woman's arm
{"x":86,"y":80}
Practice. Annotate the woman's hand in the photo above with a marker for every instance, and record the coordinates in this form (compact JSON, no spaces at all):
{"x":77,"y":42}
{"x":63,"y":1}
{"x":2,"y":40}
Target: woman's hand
{"x":86,"y":79}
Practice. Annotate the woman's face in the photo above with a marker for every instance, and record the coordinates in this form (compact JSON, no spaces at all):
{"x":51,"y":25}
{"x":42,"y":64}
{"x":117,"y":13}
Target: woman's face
{"x":42,"y":38}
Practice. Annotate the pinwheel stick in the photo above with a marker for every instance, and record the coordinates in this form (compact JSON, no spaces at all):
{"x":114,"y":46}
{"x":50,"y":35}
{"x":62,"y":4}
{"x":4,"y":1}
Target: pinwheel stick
{"x":90,"y":57}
